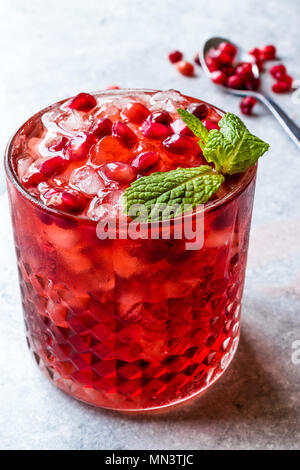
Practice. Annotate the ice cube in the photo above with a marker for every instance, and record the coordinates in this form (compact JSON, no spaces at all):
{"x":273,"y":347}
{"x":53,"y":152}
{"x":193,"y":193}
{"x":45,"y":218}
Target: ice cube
{"x":87,"y":181}
{"x":23,"y":166}
{"x":170,"y":100}
{"x":96,"y":210}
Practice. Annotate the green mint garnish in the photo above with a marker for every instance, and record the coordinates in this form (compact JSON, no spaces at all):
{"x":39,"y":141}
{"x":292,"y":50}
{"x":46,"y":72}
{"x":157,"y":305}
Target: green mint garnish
{"x":161,"y":192}
{"x":233,"y":149}
{"x":163,"y":195}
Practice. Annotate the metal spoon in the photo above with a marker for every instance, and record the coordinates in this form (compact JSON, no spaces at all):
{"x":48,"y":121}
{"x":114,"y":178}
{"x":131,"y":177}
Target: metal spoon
{"x":289,"y":126}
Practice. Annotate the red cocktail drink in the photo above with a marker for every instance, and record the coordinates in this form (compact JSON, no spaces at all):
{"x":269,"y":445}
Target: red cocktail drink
{"x":127,"y":324}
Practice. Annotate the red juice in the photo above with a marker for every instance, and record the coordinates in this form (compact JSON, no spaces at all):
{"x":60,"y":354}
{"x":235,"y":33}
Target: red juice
{"x":126,"y":324}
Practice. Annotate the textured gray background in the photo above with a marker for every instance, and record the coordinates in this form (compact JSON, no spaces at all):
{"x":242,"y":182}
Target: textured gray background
{"x":55,"y":49}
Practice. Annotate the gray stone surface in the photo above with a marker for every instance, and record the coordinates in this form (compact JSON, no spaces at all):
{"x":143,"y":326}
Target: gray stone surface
{"x":53,"y":50}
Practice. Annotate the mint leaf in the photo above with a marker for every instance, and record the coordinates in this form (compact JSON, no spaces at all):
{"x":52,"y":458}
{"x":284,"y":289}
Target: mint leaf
{"x":195,"y":125}
{"x":233,"y":149}
{"x":161,"y":193}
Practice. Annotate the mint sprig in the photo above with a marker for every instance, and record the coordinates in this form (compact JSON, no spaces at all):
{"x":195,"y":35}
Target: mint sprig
{"x":163,"y":195}
{"x":233,"y":149}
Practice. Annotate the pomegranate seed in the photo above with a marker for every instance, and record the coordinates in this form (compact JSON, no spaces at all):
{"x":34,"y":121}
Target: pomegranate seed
{"x":212,"y":64}
{"x":211,"y":125}
{"x":112,"y":87}
{"x":247,"y":104}
{"x":63,"y":200}
{"x":219,"y":77}
{"x":109,"y":149}
{"x":200,"y":110}
{"x":135,"y":113}
{"x":228,"y":70}
{"x":288,"y":79}
{"x":179,"y":127}
{"x":283,"y":85}
{"x":72,"y":203}
{"x":52,"y":166}
{"x":125,"y":134}
{"x":220,"y":55}
{"x":162,"y":117}
{"x":225,"y":58}
{"x":181,"y":145}
{"x":252,"y":83}
{"x":244,"y":70}
{"x":235,"y":81}
{"x":268,"y":52}
{"x":227,"y":48}
{"x":155,"y":130}
{"x":278,"y":71}
{"x":119,"y":171}
{"x":260,"y":65}
{"x":185,"y":68}
{"x":197,"y":59}
{"x":145,"y":160}
{"x":79,"y":146}
{"x":255,"y":53}
{"x":83,"y":102}
{"x":101,"y":128}
{"x":33,"y":177}
{"x":175,"y":56}
{"x":58,"y":144}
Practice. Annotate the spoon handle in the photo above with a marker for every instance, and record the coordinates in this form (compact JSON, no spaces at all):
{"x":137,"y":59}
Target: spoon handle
{"x":289,"y":126}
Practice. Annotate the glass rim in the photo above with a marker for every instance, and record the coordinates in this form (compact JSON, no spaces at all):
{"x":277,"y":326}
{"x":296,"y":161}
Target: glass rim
{"x":208,"y":207}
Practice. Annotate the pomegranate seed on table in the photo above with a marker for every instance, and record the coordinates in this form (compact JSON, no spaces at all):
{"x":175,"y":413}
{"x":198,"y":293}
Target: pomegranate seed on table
{"x":52,"y":166}
{"x":235,"y":81}
{"x":282,"y":86}
{"x":112,"y":87}
{"x":228,"y":48}
{"x":288,"y":79}
{"x":145,"y":160}
{"x":125,"y":134}
{"x":162,"y":117}
{"x":101,"y":128}
{"x":179,"y":127}
{"x":218,"y":77}
{"x":197,"y":59}
{"x":278,"y":71}
{"x":135,"y":113}
{"x":155,"y":130}
{"x":247,"y":104}
{"x":200,"y":110}
{"x":83,"y":102}
{"x":78,"y":147}
{"x":255,"y":53}
{"x":260,"y":65}
{"x":175,"y":56}
{"x":268,"y":52}
{"x":119,"y":171}
{"x":180,"y":145}
{"x":185,"y":68}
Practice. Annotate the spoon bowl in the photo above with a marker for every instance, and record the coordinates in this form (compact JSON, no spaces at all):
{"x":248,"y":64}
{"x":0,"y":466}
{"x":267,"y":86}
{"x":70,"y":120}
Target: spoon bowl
{"x":289,"y":126}
{"x":241,"y":56}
